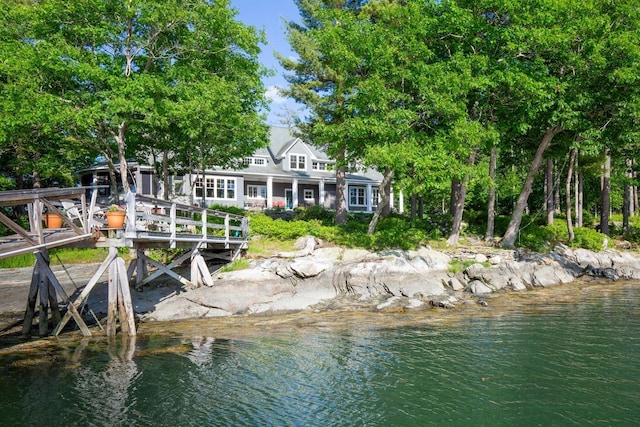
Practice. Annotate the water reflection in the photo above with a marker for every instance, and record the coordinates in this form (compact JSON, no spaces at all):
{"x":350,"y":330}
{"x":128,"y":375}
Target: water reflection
{"x":103,"y":395}
{"x":567,"y":362}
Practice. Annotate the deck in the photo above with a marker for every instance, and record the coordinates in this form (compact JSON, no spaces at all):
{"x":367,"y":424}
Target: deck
{"x":149,"y":223}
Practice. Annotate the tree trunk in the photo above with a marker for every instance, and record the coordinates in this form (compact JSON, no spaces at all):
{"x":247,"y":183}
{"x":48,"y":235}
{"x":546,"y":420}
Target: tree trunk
{"x":420,"y":207}
{"x":386,"y":210}
{"x":580,"y":197}
{"x":572,"y":159}
{"x":414,"y":200}
{"x":626,"y":208}
{"x":605,"y":203}
{"x":454,"y":195}
{"x":122,"y":158}
{"x":491,"y":203}
{"x":341,"y":200}
{"x":549,"y":208}
{"x":457,"y":217}
{"x":509,"y":238}
{"x":384,"y":196}
{"x":459,"y":205}
{"x":113,"y":177}
{"x":627,"y":202}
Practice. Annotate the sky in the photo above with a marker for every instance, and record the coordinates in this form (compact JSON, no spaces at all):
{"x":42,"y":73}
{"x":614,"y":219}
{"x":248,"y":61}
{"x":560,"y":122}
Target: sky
{"x":269,"y":15}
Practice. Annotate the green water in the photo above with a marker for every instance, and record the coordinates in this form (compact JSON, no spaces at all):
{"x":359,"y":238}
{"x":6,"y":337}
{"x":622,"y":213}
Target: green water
{"x":570,"y":363}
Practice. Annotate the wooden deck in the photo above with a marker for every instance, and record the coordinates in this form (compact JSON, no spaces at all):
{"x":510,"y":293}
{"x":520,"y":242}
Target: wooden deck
{"x":149,"y":223}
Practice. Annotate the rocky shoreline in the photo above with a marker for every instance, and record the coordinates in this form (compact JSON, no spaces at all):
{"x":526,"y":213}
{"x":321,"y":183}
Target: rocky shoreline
{"x":317,"y":278}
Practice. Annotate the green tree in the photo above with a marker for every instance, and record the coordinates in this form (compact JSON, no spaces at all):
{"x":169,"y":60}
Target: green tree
{"x":142,"y":73}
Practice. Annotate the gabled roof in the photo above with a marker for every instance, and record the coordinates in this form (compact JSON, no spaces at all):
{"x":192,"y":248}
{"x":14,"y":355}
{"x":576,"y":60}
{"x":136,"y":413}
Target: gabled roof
{"x":282,"y":141}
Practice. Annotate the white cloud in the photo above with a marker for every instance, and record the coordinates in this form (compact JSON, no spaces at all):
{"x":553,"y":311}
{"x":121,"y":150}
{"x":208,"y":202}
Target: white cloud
{"x":273,"y":93}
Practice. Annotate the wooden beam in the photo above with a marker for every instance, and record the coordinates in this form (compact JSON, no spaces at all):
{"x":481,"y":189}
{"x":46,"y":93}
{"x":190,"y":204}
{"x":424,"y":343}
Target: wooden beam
{"x":159,"y":273}
{"x":161,"y":268}
{"x":60,"y":290}
{"x":62,"y":215}
{"x":17,"y":229}
{"x":127,"y":320}
{"x":86,"y":291}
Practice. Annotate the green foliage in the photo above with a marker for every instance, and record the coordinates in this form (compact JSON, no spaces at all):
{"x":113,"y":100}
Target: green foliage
{"x":544,"y":238}
{"x":588,"y":238}
{"x":63,"y":256}
{"x":325,"y":216}
{"x":227,"y":209}
{"x":457,"y":266}
{"x":239,"y":264}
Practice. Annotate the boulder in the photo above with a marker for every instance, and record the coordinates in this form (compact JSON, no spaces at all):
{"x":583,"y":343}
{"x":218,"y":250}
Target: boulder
{"x":351,"y":255}
{"x":305,"y":267}
{"x":477,"y":287}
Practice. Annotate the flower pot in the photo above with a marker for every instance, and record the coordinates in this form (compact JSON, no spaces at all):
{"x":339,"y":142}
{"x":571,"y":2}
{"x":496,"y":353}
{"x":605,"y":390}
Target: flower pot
{"x":52,"y":221}
{"x":115,"y":219}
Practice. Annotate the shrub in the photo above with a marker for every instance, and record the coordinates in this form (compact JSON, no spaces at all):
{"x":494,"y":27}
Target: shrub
{"x":588,"y":238}
{"x":326,"y":216}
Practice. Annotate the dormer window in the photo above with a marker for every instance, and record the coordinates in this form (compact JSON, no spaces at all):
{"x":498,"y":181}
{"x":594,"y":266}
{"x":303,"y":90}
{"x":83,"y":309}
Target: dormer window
{"x":319,"y":166}
{"x":256,"y":161}
{"x":297,"y":162}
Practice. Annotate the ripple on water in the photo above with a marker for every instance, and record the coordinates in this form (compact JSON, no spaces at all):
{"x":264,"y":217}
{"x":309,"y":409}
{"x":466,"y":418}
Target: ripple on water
{"x":550,"y":364}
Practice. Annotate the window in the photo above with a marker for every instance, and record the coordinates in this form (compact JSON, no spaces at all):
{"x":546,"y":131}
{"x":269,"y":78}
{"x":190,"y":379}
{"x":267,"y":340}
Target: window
{"x":256,"y":191}
{"x":308,"y":195}
{"x":297,"y":162}
{"x":216,"y":188}
{"x":375,"y":196}
{"x":198,"y":187}
{"x":357,"y":196}
{"x":319,"y":166}
{"x":256,"y":161}
{"x":231,"y":189}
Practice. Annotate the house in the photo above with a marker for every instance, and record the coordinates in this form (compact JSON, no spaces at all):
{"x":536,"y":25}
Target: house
{"x":288,"y":173}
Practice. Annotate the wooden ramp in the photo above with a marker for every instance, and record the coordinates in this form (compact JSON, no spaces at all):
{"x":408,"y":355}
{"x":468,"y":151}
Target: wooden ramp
{"x":149,"y":223}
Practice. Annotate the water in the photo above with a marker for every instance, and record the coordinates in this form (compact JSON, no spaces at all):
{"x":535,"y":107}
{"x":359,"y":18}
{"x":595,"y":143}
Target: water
{"x":571,"y":362}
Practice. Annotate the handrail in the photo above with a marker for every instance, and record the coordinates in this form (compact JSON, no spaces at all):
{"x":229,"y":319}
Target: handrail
{"x":187,"y":208}
{"x":177,"y":219}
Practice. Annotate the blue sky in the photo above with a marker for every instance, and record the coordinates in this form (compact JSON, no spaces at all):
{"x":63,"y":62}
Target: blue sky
{"x":268,"y":15}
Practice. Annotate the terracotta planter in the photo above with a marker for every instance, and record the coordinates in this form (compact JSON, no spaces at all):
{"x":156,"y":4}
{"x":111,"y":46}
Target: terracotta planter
{"x":52,"y":221}
{"x":115,"y":219}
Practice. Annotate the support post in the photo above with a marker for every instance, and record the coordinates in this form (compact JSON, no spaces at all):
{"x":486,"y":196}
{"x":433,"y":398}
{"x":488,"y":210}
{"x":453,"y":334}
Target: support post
{"x":119,"y":306}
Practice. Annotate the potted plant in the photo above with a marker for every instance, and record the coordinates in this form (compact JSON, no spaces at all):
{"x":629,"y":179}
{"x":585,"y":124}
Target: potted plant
{"x":115,"y":216}
{"x":52,"y":220}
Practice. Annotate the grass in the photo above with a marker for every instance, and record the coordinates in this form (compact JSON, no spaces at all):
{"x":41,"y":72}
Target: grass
{"x":264,"y":247}
{"x":239,"y":264}
{"x":457,"y":266}
{"x":63,"y":256}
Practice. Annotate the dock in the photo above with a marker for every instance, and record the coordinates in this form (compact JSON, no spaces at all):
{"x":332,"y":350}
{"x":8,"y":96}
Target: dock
{"x":70,"y":217}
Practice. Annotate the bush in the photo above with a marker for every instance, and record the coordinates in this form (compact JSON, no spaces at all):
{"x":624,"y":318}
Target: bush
{"x":326,"y":216}
{"x":588,"y":238}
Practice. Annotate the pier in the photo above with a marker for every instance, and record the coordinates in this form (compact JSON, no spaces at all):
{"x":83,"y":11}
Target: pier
{"x":70,"y":217}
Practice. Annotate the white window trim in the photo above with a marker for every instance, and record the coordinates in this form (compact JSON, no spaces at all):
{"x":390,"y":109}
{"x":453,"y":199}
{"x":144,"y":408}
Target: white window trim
{"x":374,"y":199}
{"x":311,"y":192}
{"x":255,"y":161}
{"x":315,"y":165}
{"x":358,"y":189}
{"x":212,"y":182}
{"x":297,"y":162}
{"x":258,"y":191}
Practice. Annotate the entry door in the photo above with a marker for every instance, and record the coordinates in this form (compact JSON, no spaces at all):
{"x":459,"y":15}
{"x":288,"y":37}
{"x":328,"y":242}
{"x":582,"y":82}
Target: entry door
{"x":288,"y":199}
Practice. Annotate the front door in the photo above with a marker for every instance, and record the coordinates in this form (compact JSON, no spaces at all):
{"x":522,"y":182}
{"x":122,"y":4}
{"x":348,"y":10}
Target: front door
{"x":288,"y":199}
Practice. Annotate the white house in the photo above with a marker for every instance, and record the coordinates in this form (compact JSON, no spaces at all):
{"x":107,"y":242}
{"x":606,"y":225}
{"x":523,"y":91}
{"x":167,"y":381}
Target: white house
{"x":288,"y":173}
